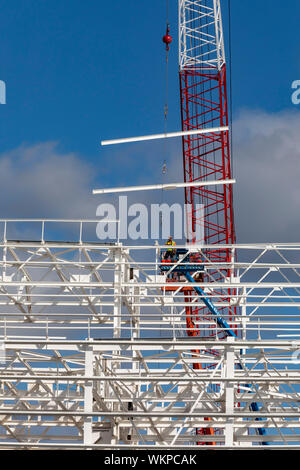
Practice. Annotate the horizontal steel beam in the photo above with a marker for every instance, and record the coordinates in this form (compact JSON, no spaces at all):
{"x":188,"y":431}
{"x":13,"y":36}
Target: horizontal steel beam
{"x":154,"y":378}
{"x":166,"y":135}
{"x":149,"y":447}
{"x":157,"y":342}
{"x":169,"y":186}
{"x":142,"y":414}
{"x":149,"y":285}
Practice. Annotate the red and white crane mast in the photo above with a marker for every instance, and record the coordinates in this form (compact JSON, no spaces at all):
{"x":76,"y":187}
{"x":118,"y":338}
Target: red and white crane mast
{"x":204,"y":104}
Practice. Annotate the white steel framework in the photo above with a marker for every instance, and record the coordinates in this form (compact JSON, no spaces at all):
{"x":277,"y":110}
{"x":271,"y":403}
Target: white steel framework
{"x":201,"y":39}
{"x":95,"y":352}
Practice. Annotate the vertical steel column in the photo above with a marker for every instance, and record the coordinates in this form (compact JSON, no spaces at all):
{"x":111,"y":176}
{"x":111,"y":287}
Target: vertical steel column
{"x":117,"y":291}
{"x":229,"y":391}
{"x":88,"y":397}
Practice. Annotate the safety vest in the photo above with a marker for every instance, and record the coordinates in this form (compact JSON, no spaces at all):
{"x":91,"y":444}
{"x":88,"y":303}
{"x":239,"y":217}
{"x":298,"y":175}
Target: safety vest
{"x":170,"y":243}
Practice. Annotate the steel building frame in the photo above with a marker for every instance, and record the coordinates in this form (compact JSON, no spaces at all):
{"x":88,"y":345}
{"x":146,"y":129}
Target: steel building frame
{"x":95,"y":352}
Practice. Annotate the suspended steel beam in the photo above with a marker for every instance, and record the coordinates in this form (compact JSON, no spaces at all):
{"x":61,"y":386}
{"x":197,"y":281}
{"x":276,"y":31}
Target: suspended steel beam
{"x":167,"y":135}
{"x":167,"y":186}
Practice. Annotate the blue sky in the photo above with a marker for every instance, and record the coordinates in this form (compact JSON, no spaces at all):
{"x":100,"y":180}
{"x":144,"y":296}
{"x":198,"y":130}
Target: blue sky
{"x":76,"y":71}
{"x":79,"y":71}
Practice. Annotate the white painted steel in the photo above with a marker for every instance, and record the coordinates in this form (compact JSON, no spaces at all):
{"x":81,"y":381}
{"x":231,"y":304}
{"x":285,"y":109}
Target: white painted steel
{"x":169,"y":186}
{"x":201,"y":38}
{"x":95,"y":351}
{"x":167,"y":135}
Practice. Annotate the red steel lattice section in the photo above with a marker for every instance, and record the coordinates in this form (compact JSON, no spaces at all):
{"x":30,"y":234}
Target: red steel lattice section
{"x":207,"y":157}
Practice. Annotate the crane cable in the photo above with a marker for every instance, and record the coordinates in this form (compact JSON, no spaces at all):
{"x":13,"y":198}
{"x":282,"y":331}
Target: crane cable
{"x":167,"y":39}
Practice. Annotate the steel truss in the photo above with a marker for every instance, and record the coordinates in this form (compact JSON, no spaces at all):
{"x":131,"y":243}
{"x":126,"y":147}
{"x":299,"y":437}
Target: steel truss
{"x":95,"y":352}
{"x":204,"y":104}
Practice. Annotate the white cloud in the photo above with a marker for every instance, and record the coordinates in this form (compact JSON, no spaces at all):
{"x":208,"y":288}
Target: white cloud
{"x":267,"y":167}
{"x":40,"y":181}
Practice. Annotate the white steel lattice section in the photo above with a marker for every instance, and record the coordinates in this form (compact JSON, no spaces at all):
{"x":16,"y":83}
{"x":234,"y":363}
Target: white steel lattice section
{"x":94,"y":350}
{"x":201,"y":39}
{"x":149,"y":396}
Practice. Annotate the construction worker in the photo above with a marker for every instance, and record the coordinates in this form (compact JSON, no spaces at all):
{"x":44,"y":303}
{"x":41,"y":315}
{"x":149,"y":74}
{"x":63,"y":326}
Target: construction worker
{"x":170,"y":252}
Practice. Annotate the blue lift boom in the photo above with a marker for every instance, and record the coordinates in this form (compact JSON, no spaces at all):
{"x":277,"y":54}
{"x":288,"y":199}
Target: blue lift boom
{"x":185,"y":270}
{"x":220,"y":321}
